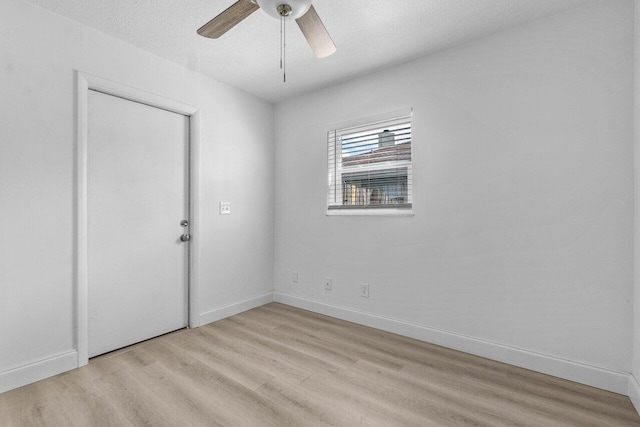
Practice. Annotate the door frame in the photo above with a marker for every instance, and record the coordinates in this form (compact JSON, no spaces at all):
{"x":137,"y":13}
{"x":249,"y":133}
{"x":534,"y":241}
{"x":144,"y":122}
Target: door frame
{"x":84,"y":83}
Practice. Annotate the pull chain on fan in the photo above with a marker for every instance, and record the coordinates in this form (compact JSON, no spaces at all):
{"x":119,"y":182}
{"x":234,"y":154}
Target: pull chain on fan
{"x":284,"y":10}
{"x":283,"y":49}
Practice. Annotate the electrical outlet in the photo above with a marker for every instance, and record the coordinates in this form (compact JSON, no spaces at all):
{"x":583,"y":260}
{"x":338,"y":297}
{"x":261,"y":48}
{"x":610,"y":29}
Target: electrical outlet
{"x":225,"y":208}
{"x":328,"y":283}
{"x":294,"y":277}
{"x":364,"y":290}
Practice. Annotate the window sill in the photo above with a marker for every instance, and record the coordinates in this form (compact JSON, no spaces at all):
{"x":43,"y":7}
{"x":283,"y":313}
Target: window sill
{"x":370,"y":212}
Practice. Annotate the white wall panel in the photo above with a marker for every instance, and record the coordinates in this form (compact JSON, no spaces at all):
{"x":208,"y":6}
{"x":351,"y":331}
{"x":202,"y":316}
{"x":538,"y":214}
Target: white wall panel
{"x":523,"y":191}
{"x":634,"y":387}
{"x":38,"y":54}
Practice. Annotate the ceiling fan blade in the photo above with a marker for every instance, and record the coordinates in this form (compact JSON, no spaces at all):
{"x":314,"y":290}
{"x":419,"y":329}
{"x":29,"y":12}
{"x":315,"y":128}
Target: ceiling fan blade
{"x":228,"y":19}
{"x":316,"y":34}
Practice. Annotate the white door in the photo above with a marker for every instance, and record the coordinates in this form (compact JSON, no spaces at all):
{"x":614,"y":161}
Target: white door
{"x":137,"y":197}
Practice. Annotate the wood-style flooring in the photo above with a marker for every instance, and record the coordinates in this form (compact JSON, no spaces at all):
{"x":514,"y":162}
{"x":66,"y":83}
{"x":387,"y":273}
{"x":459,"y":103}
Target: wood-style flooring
{"x":280,"y":366}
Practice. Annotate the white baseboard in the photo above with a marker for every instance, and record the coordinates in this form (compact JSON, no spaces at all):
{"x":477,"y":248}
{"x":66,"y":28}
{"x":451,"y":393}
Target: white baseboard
{"x":606,"y":379}
{"x":236,"y":308}
{"x":634,"y":392}
{"x":36,"y":371}
{"x":617,"y":382}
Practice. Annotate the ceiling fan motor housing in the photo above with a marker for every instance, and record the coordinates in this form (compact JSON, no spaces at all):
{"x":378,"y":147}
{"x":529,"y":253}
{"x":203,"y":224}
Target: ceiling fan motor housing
{"x":284,"y":10}
{"x":287,"y":9}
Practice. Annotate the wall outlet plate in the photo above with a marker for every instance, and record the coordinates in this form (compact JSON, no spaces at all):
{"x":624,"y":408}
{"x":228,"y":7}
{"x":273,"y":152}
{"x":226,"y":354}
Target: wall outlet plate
{"x":225,"y":208}
{"x":364,"y":290}
{"x":328,"y":283}
{"x":294,"y":277}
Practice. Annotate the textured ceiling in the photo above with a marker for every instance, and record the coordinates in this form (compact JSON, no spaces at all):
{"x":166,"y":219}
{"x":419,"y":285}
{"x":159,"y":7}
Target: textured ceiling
{"x":369,"y":34}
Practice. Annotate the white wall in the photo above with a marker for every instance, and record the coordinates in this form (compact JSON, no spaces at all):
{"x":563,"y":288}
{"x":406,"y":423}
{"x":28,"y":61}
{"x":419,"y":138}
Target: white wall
{"x":38,"y":53}
{"x":634,"y":385}
{"x":523,"y":181}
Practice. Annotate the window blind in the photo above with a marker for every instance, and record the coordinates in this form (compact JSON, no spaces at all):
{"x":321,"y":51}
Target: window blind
{"x":369,"y":165}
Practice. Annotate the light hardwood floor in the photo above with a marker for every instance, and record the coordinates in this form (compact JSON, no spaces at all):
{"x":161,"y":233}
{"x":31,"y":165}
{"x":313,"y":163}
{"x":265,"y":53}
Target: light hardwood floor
{"x":281,"y":366}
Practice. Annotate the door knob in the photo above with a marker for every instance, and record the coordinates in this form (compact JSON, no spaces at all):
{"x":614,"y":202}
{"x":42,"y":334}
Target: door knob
{"x":185,"y":237}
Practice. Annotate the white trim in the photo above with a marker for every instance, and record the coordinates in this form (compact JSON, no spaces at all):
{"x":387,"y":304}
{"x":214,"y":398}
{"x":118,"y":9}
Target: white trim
{"x":370,"y":212}
{"x":634,"y":392}
{"x":81,"y":321}
{"x":86,"y":82}
{"x":236,"y":308}
{"x":36,"y":371}
{"x":132,"y":94}
{"x":594,"y":376}
{"x":194,"y":229}
{"x":373,"y":119}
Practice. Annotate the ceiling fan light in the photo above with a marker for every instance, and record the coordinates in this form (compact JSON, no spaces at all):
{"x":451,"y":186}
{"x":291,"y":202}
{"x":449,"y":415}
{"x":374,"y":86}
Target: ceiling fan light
{"x":298,"y":7}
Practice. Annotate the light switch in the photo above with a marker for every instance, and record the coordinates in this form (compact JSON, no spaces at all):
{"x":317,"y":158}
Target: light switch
{"x":225,"y":208}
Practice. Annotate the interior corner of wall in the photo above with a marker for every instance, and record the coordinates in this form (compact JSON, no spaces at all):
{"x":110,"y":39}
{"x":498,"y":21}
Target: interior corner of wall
{"x":634,"y":392}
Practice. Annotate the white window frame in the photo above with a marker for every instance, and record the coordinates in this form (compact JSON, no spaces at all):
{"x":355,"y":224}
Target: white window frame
{"x":336,"y":170}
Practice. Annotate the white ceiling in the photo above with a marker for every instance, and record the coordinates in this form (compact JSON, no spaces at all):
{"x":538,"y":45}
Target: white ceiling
{"x":369,"y":34}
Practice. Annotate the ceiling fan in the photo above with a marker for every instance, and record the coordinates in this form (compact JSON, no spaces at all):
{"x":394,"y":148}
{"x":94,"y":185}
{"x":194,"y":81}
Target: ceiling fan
{"x":302,"y":11}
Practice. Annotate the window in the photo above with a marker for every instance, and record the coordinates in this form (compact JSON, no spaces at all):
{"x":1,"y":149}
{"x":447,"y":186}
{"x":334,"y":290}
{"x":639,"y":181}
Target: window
{"x":370,"y":166}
